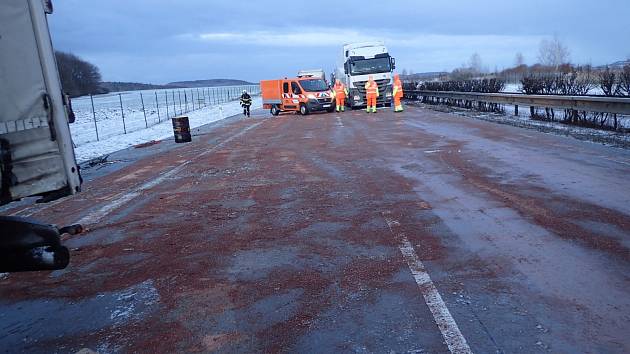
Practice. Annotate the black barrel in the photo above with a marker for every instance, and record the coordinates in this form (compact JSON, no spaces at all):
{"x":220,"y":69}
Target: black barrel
{"x":181,"y":129}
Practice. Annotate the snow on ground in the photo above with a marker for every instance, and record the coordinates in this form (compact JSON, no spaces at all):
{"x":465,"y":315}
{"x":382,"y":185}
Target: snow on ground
{"x":110,"y":123}
{"x":512,"y":88}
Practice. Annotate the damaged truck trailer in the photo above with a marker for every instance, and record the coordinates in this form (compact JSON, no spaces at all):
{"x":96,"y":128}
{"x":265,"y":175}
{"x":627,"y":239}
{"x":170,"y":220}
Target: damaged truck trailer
{"x":36,"y":152}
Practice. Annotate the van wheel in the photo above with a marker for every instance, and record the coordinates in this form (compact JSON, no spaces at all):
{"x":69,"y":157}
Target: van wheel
{"x":275,"y":110}
{"x":303,"y":109}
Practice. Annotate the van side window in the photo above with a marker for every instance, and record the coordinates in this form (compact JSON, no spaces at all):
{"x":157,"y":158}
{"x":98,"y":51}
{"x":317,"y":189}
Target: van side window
{"x":295,"y":88}
{"x":285,"y":87}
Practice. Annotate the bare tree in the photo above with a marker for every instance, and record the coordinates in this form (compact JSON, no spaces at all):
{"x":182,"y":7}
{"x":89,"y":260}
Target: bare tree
{"x":78,"y":77}
{"x":610,"y":86}
{"x":475,"y":63}
{"x":519,"y":60}
{"x":404,"y":72}
{"x":624,"y":80}
{"x":608,"y":82}
{"x":553,"y":52}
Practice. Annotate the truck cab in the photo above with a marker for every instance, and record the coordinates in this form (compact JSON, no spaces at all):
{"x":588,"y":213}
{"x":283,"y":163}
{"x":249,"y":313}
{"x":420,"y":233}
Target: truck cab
{"x":301,"y":94}
{"x":360,"y":60}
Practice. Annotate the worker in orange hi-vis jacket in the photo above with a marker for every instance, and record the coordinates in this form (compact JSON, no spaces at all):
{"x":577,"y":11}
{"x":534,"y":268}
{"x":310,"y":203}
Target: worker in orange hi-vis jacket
{"x":340,"y":91}
{"x":398,"y":94}
{"x":371,"y":92}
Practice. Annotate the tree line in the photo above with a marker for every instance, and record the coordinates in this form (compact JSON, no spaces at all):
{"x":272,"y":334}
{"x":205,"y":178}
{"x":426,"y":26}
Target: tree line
{"x":78,"y":77}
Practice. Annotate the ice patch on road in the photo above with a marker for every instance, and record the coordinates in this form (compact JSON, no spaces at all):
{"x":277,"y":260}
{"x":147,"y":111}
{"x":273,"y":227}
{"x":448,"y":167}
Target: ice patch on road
{"x":131,"y":302}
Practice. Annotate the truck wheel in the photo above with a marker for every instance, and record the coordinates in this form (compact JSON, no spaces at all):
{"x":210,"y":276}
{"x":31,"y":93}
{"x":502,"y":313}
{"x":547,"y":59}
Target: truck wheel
{"x":275,"y":110}
{"x":330,"y":109}
{"x":303,"y":109}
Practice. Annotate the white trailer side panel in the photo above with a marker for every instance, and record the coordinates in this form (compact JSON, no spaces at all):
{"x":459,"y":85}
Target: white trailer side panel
{"x":36,"y":155}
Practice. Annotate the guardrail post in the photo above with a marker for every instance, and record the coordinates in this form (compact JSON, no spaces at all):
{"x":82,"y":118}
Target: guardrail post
{"x":516,"y":110}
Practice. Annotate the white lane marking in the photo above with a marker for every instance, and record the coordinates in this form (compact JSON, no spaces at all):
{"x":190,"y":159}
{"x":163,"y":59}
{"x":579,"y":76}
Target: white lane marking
{"x":34,"y":209}
{"x":431,"y":151}
{"x":450,"y":332}
{"x":617,"y":161}
{"x":122,"y":198}
{"x":339,"y":122}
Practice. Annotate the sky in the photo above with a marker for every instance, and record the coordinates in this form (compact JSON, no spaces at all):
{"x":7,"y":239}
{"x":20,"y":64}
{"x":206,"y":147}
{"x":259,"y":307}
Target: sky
{"x":161,"y":41}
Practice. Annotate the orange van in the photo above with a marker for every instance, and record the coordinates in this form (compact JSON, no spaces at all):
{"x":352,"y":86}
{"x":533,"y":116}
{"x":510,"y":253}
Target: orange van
{"x":304,"y":95}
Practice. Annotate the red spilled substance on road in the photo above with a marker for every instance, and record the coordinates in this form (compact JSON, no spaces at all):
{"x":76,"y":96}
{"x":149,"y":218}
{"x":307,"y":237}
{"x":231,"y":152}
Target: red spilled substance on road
{"x":276,"y":241}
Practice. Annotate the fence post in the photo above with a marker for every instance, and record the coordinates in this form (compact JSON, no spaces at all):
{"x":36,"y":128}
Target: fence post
{"x":174,"y":107}
{"x":94,"y":115}
{"x":122,"y":111}
{"x":185,"y":102}
{"x":166,"y":96}
{"x":146,"y":124}
{"x":179,"y":94}
{"x":516,"y":110}
{"x":157,"y":106}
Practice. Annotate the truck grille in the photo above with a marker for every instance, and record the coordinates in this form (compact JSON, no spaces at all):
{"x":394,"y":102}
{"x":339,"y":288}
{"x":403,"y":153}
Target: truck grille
{"x":382,"y":88}
{"x":324,"y":100}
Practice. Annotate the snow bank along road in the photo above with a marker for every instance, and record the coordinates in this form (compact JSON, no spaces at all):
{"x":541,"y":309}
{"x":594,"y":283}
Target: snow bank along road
{"x":418,"y":232}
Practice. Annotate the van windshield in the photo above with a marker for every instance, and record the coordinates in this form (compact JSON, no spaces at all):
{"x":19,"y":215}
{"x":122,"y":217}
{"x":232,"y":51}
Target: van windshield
{"x":370,"y":66}
{"x":314,"y":85}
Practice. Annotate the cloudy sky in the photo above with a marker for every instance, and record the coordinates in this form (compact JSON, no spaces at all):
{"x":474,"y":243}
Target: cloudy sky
{"x":160,"y":41}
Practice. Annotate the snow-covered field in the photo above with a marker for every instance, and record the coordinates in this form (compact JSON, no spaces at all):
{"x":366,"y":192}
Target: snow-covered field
{"x":109,"y":116}
{"x":518,"y":88}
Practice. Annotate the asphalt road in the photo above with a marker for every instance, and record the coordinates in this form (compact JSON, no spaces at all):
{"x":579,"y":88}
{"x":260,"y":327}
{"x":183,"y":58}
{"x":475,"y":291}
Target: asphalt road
{"x":418,"y":232}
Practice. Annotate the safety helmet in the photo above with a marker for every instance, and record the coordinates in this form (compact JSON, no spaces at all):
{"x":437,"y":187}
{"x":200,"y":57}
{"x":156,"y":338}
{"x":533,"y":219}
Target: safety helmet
{"x":244,"y":91}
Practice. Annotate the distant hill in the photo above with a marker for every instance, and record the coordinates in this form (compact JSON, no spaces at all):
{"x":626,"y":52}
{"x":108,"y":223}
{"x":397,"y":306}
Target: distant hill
{"x":210,"y":83}
{"x":134,"y":86}
{"x":616,"y":65}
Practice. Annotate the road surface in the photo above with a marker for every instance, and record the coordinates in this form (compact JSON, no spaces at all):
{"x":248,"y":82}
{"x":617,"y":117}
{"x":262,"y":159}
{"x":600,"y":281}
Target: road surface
{"x":419,"y":232}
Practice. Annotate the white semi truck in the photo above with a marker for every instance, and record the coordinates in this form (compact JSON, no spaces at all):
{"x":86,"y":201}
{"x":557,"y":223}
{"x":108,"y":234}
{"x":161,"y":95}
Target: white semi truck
{"x":360,"y":60}
{"x":36,"y":153}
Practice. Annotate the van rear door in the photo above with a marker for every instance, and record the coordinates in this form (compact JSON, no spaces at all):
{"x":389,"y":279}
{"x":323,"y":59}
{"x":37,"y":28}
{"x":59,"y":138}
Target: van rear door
{"x":36,"y":152}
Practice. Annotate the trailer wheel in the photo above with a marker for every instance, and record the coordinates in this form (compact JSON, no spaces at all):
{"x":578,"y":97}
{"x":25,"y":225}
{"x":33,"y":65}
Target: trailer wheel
{"x":275,"y":110}
{"x":303,"y":109}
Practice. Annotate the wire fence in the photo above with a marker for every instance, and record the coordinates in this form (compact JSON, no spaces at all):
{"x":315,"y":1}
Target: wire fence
{"x":125,"y":112}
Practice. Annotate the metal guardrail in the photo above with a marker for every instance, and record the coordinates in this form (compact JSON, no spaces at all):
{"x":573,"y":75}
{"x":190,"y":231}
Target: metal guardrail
{"x":619,"y":105}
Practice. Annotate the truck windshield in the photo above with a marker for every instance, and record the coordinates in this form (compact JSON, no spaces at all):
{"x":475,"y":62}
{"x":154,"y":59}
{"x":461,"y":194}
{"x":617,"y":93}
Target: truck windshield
{"x":314,"y":85}
{"x":370,"y":66}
